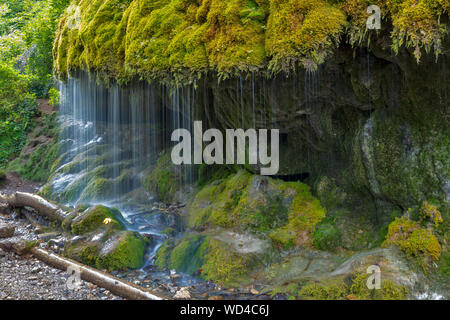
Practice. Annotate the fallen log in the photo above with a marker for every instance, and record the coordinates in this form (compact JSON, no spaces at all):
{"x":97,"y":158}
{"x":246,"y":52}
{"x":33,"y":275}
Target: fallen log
{"x":46,"y":208}
{"x":115,"y":285}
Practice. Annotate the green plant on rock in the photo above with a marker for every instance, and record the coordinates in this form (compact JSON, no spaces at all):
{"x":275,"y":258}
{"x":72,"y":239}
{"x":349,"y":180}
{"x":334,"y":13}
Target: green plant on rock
{"x":429,"y":211}
{"x":414,"y":240}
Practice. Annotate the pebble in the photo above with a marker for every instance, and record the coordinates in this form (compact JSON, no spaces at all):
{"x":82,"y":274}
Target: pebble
{"x":26,"y":278}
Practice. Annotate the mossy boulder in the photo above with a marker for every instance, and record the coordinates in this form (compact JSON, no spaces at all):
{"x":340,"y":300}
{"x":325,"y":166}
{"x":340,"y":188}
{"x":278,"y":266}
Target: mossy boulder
{"x":119,"y":250}
{"x":163,"y":180}
{"x":416,"y":241}
{"x":125,"y":250}
{"x":97,"y":217}
{"x":2,"y":175}
{"x":212,"y":258}
{"x":101,"y":240}
{"x":286,"y":211}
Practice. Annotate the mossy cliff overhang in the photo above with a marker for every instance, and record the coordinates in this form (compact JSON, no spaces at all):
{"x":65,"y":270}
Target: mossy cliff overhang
{"x":179,"y":40}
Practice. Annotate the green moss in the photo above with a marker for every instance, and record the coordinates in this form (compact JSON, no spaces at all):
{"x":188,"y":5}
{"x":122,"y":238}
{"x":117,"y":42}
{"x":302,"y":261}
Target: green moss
{"x":325,"y":290}
{"x":414,"y":240}
{"x":305,"y":212}
{"x":2,"y":175}
{"x":354,"y":288}
{"x":97,"y":189}
{"x":163,"y":254}
{"x":89,"y":255}
{"x":188,"y":255}
{"x":179,"y":40}
{"x":95,"y":218}
{"x":389,"y":290}
{"x":162,"y":181}
{"x":127,"y":254}
{"x":224,"y":266}
{"x":327,"y":237}
{"x":429,"y":211}
{"x":29,"y":245}
{"x":286,"y":211}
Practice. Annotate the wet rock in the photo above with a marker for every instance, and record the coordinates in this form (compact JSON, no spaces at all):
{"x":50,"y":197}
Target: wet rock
{"x":6,"y":231}
{"x":182,"y":294}
{"x":49,"y":235}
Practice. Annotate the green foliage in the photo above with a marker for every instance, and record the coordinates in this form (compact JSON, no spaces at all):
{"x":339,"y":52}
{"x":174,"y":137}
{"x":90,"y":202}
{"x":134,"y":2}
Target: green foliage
{"x":17,"y":108}
{"x":53,"y":95}
{"x":36,"y":165}
{"x":27,"y":29}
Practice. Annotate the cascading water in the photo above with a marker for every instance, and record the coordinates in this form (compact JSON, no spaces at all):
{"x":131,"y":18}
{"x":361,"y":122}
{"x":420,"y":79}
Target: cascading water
{"x":110,"y":137}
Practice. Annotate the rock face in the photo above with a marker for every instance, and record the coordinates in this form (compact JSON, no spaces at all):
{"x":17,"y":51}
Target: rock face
{"x":6,"y":231}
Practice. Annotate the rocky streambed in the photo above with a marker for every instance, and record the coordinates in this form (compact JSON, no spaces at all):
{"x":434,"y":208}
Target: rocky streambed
{"x":27,"y":278}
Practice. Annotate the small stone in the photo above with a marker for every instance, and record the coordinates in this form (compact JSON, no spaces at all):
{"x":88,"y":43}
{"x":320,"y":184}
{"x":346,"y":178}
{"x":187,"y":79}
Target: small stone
{"x":49,"y":235}
{"x":215,"y":298}
{"x":182,"y":294}
{"x":6,"y":231}
{"x":254,"y":291}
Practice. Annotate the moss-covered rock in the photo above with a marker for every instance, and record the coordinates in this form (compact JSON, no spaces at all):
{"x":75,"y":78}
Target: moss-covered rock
{"x":97,"y":217}
{"x":163,"y":180}
{"x":284,"y":210}
{"x":102,"y":240}
{"x":327,"y":237}
{"x":125,"y":250}
{"x":186,"y":38}
{"x":188,"y":256}
{"x":416,"y":241}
